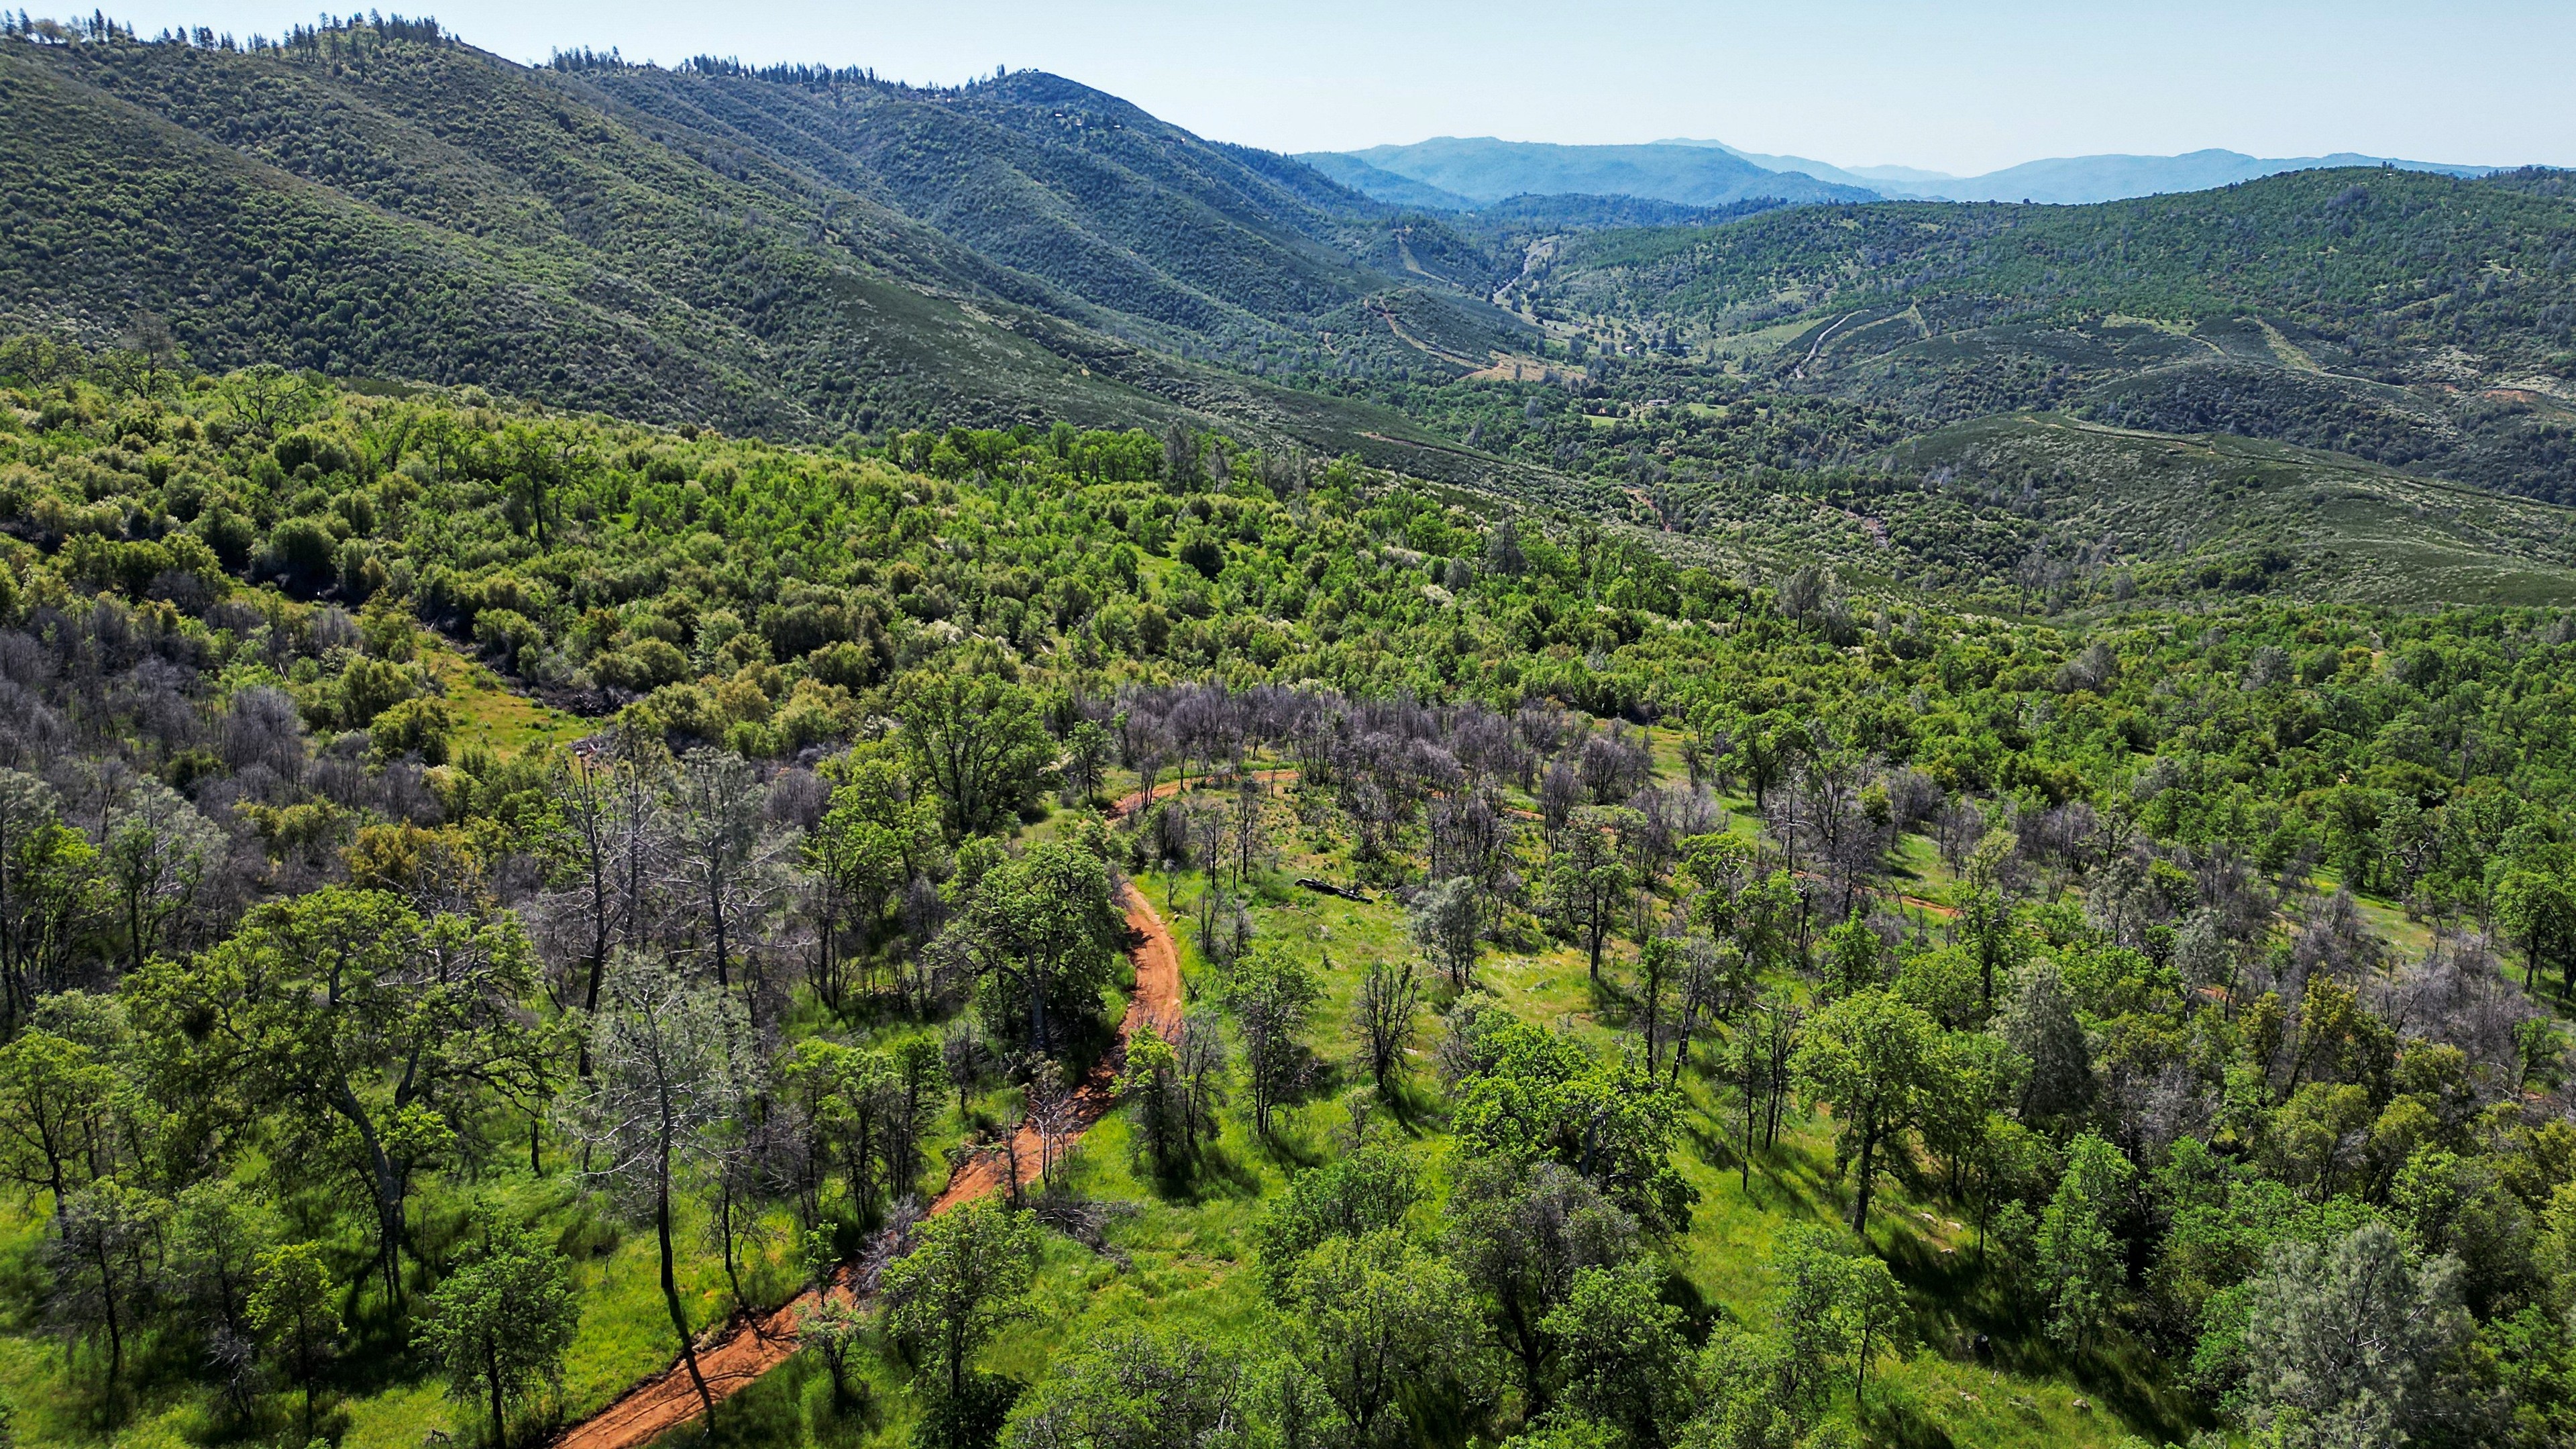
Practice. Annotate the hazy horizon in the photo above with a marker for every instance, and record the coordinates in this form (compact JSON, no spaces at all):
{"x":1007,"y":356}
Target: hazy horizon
{"x":1957,"y":88}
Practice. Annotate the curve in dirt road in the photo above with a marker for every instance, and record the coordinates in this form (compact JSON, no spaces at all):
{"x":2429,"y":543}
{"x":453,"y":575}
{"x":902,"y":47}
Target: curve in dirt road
{"x":754,"y":1346}
{"x":1134,"y":800}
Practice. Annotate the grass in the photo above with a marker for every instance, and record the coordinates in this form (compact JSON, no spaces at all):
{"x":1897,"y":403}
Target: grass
{"x":489,"y":715}
{"x":1176,"y":1255}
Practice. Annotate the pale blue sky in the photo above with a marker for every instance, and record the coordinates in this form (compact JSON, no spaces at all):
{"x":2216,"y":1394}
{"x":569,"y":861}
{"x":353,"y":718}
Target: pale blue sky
{"x":1956,"y":87}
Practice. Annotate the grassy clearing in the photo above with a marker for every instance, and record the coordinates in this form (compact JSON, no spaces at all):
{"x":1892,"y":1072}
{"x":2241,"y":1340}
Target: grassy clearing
{"x":490,"y":716}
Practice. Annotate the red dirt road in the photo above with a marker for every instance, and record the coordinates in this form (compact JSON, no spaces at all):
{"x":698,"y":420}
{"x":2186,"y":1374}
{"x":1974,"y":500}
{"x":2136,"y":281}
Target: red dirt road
{"x":751,"y":1348}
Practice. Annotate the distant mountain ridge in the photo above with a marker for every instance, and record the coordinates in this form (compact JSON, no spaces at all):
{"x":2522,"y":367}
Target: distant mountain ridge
{"x":1464,"y":174}
{"x":1484,"y":170}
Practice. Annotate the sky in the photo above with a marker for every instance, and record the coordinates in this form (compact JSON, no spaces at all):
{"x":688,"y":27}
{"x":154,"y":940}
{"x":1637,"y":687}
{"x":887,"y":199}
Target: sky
{"x":1957,"y":87}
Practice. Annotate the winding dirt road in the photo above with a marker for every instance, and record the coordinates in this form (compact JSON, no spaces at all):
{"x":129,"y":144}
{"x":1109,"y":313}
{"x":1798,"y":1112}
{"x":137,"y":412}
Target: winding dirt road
{"x":752,"y":1347}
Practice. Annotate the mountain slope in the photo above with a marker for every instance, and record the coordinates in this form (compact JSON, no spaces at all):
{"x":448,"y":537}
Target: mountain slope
{"x":1384,"y":185}
{"x":791,"y":257}
{"x":2423,"y":320}
{"x":2076,"y":180}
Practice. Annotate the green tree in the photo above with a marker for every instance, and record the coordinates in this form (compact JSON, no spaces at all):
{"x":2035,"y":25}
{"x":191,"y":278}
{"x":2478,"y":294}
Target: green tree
{"x":2535,"y":903}
{"x":1272,"y":994}
{"x":965,"y":1275}
{"x":1873,"y":1057}
{"x":1810,"y":1305}
{"x":2041,"y":1027}
{"x":56,"y":1111}
{"x":1521,"y":1233}
{"x":502,"y":1322}
{"x":1044,"y":935}
{"x":1132,"y":1389}
{"x":216,"y":1237}
{"x":105,"y":1258}
{"x":293,"y":1313}
{"x":1588,"y":878}
{"x":1626,"y":1362}
{"x":1543,"y":1096}
{"x":978,"y":742}
{"x":345,"y":1006}
{"x":876,"y":836}
{"x":48,"y":885}
{"x":1367,"y":1189}
{"x":157,"y":856}
{"x":1172,"y":1110}
{"x":2346,"y":1344}
{"x":1377,"y":1321}
{"x":1444,"y":921}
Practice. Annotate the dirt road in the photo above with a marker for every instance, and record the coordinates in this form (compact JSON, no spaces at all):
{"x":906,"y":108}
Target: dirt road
{"x":750,"y":1348}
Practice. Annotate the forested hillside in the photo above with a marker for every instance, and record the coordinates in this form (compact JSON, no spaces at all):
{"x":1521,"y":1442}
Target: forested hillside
{"x":2417,"y":320}
{"x":493,"y":898}
{"x":759,"y":757}
{"x":797,"y":255}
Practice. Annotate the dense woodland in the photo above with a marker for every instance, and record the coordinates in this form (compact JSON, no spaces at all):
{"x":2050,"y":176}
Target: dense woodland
{"x":1785,"y":827}
{"x":489,"y":894}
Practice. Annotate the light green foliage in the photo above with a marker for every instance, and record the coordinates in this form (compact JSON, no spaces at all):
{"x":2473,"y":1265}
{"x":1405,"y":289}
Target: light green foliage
{"x":1042,"y":935}
{"x":1369,"y":1189}
{"x":1877,"y":1060}
{"x":1378,"y":1321}
{"x":977,"y":742}
{"x":1625,"y":1360}
{"x":1138,"y":1390}
{"x":347,"y":1009}
{"x":294,"y":1313}
{"x":500,"y":1323}
{"x":2082,"y":1261}
{"x":964,"y":1276}
{"x":1522,"y":1233}
{"x":1271,"y":993}
{"x":1542,"y":1096}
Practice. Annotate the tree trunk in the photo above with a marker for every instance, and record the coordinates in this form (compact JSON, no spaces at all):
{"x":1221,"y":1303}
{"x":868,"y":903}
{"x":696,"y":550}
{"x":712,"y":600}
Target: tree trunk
{"x":1868,"y":1179}
{"x":671,"y":1291}
{"x":491,"y":1376}
{"x":115,"y":1330}
{"x":384,"y":1182}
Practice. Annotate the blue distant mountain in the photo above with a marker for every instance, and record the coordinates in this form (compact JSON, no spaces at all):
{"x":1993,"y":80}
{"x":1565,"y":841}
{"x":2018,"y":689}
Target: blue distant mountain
{"x":1468,"y":173}
{"x":1484,"y":170}
{"x":1385,"y":186}
{"x":2078,"y":180}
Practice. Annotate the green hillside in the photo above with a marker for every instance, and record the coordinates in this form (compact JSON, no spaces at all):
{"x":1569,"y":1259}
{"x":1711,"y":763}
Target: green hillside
{"x":2416,"y":320}
{"x":771,"y":255}
{"x":1742,"y":1014}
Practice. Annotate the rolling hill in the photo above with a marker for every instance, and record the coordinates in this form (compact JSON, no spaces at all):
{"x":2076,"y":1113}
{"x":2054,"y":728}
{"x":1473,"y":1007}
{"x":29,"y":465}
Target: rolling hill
{"x":2424,"y":321}
{"x":794,"y":253}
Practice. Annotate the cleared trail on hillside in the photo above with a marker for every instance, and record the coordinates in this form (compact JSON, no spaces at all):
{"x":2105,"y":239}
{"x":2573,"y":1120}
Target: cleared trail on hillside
{"x":751,"y":1347}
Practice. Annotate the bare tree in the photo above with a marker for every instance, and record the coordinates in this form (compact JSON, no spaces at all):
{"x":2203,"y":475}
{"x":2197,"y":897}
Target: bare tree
{"x":669,"y":1060}
{"x":1390,"y":996}
{"x":723,"y":859}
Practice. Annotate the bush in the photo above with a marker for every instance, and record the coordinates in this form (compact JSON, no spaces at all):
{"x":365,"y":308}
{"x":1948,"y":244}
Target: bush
{"x":299,"y":551}
{"x":414,"y":727}
{"x":507,"y":634}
